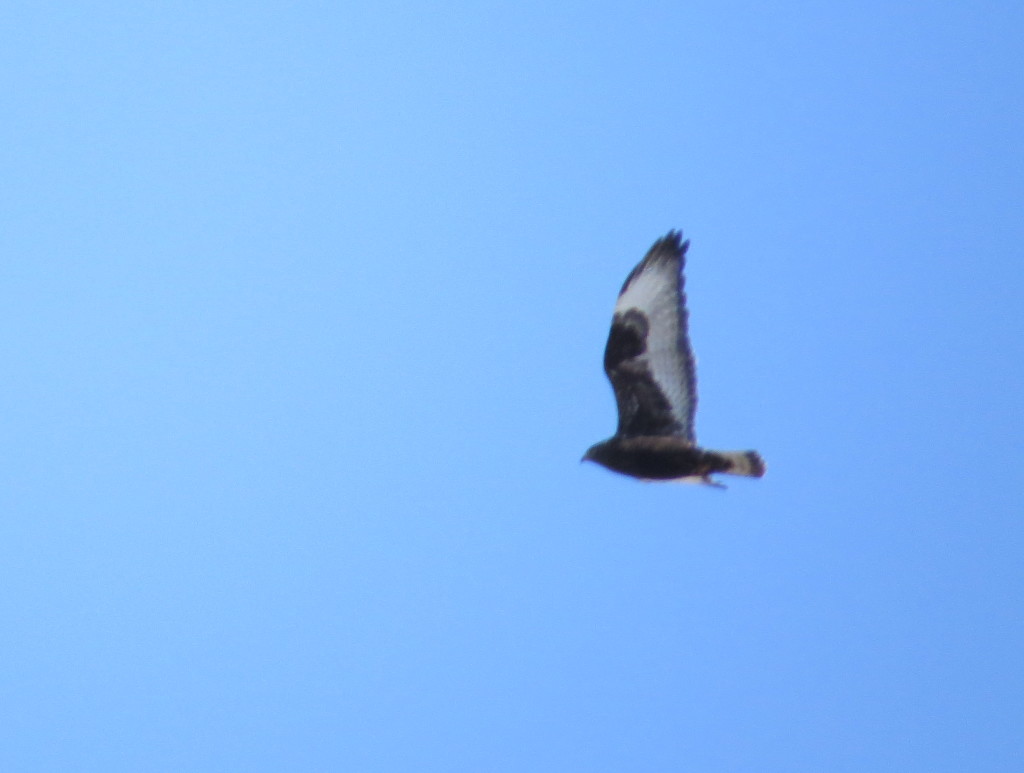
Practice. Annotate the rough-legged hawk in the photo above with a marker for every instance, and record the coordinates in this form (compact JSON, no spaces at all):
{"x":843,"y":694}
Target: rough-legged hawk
{"x":650,"y":364}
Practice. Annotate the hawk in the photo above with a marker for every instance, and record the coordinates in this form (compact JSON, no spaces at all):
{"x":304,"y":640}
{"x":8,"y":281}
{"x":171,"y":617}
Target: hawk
{"x":651,"y":366}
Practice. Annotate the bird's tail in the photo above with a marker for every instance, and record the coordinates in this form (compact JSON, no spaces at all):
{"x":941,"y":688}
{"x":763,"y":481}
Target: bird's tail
{"x":748,"y":463}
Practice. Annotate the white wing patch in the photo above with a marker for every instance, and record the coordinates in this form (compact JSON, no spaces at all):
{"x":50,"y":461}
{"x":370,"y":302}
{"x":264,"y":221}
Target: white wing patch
{"x":656,"y":292}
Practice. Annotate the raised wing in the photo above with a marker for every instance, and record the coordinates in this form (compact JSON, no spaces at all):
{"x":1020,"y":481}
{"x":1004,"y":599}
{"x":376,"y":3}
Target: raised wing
{"x":648,"y":357}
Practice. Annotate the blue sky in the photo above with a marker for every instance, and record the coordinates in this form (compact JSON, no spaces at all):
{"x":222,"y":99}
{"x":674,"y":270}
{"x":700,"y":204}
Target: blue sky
{"x":304,"y":311}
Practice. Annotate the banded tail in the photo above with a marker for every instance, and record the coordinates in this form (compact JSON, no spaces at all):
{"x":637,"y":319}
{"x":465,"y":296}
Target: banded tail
{"x":747,"y":463}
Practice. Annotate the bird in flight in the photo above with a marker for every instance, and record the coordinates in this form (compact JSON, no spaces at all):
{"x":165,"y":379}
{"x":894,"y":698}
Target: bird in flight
{"x":651,"y":366}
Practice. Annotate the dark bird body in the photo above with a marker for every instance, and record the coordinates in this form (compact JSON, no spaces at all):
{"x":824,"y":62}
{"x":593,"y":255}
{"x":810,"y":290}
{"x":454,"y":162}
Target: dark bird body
{"x":650,"y":364}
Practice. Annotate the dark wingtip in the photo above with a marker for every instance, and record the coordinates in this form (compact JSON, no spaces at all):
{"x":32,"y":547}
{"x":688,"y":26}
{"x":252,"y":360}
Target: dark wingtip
{"x":672,"y":241}
{"x":671,"y":246}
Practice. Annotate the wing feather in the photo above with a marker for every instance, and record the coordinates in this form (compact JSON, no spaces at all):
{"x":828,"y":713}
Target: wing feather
{"x":648,"y":357}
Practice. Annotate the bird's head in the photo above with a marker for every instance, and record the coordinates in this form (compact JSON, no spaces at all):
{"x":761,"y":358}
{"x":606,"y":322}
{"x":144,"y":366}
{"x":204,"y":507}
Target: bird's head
{"x":596,"y":453}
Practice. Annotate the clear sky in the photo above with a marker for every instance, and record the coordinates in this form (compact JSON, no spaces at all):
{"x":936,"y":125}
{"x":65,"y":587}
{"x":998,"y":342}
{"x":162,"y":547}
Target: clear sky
{"x":303,"y":312}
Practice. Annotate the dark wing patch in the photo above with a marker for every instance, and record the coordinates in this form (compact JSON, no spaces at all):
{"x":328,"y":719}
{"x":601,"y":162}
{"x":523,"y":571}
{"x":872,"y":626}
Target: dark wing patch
{"x":648,"y":357}
{"x":628,"y":338}
{"x":643,"y":407}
